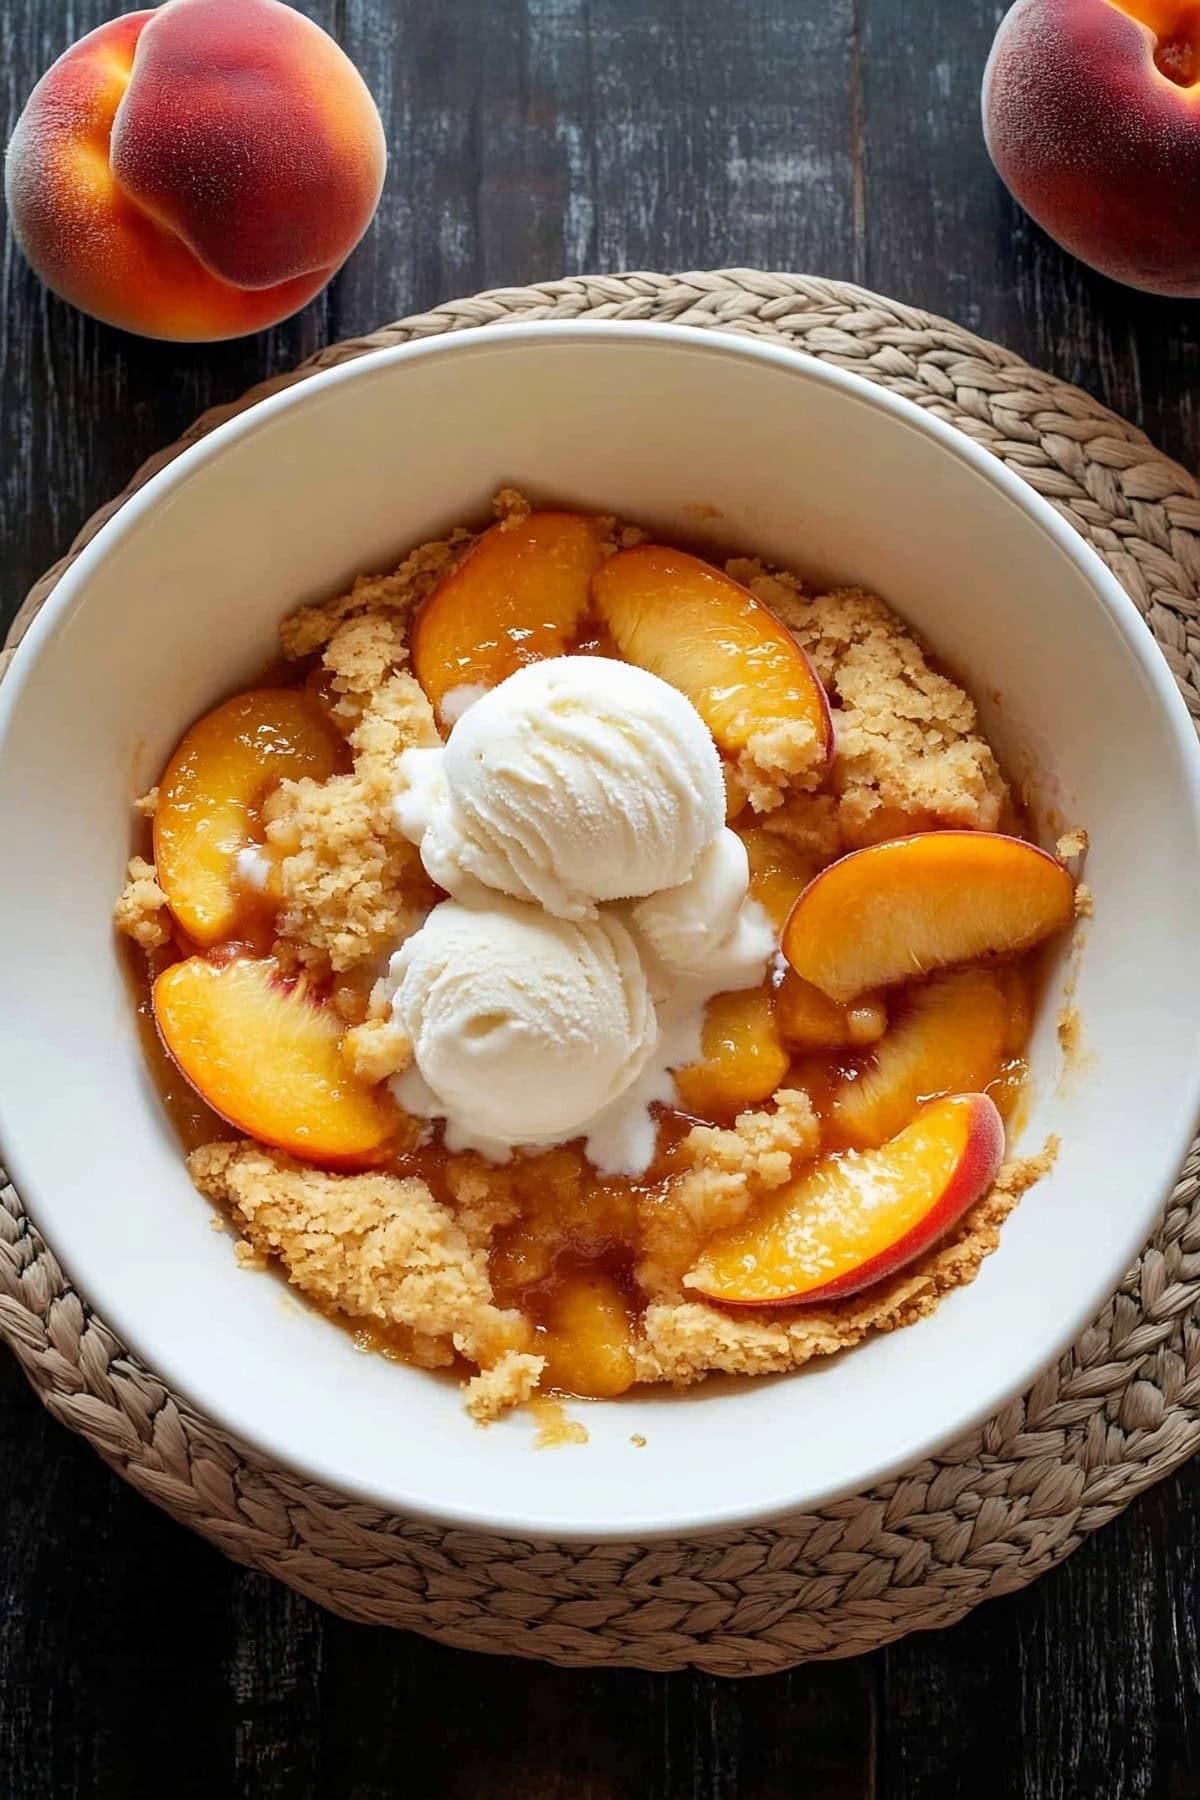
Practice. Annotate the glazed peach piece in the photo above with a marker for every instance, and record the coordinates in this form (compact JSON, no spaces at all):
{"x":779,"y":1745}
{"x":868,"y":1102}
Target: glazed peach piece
{"x":952,"y":1037}
{"x":266,"y":1056}
{"x":708,"y":636}
{"x":587,"y":1336}
{"x":742,"y":1061}
{"x":211,"y":790}
{"x":779,"y":872}
{"x":1092,"y":117}
{"x":810,"y":1020}
{"x":903,"y":909}
{"x":856,"y":1216}
{"x":518,"y":596}
{"x":803,"y":1016}
{"x":196,"y":172}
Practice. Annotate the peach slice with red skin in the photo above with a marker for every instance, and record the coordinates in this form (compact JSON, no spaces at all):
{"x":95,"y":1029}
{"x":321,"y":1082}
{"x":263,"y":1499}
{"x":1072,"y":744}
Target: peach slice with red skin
{"x":856,"y":1216}
{"x":952,"y":1038}
{"x":900,"y":910}
{"x":267,"y":1057}
{"x":709,"y":637}
{"x":212,"y":788}
{"x":518,"y":595}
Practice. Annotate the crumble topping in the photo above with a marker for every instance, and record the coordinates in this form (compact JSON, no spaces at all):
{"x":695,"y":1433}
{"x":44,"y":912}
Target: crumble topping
{"x":910,"y":755}
{"x":725,"y":1171}
{"x":394,"y":595}
{"x":508,"y":1383}
{"x":351,"y":885}
{"x":377,"y":1247}
{"x":1072,"y":843}
{"x":140,"y":912}
{"x":377,"y":1049}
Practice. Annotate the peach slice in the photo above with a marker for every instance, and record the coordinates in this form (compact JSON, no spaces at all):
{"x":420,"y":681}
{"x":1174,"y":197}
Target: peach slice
{"x":587,"y":1337}
{"x":709,"y":637}
{"x":517,"y":596}
{"x":807,"y":1018}
{"x":214,"y":784}
{"x":858,"y":1215}
{"x":810,"y":1020}
{"x":779,"y":872}
{"x":742,"y":1058}
{"x":267,"y":1056}
{"x":904,"y":908}
{"x":952,"y":1039}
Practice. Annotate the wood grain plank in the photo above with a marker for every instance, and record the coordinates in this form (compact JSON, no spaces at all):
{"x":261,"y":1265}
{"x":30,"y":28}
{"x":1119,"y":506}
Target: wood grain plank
{"x":82,"y":405}
{"x":945,"y":234}
{"x":724,"y":136}
{"x":112,"y":1628}
{"x":583,"y":134}
{"x":272,"y":1670}
{"x":1084,"y":1684}
{"x":472,"y":1725}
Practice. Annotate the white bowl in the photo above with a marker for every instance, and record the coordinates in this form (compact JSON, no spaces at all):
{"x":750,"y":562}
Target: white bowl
{"x":178,"y":598}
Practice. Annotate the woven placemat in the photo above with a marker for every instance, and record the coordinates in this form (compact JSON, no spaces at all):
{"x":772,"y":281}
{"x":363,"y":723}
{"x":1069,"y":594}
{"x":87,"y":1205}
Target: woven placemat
{"x":986,"y":1516}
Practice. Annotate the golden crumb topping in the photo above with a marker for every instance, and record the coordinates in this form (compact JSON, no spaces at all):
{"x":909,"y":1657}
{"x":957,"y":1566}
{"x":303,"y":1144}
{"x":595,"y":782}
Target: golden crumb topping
{"x":140,"y":912}
{"x":376,"y":1246}
{"x":508,"y":1383}
{"x":393,"y":595}
{"x":724,"y":1173}
{"x":377,"y":1049}
{"x":352,"y":887}
{"x":909,"y":752}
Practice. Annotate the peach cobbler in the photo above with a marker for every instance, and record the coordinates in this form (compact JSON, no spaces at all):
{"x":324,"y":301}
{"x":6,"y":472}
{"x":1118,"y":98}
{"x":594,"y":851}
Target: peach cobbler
{"x":580,"y":964}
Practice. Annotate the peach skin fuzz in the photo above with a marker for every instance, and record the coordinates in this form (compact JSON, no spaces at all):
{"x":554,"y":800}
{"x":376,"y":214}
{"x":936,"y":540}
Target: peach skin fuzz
{"x":196,"y":172}
{"x":1091,"y":111}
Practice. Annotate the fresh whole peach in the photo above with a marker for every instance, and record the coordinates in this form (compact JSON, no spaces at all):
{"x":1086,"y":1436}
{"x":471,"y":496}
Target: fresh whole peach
{"x":1091,"y":111}
{"x":196,"y":172}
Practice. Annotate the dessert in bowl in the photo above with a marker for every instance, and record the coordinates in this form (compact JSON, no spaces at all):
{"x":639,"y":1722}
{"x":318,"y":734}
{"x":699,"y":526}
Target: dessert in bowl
{"x":591,"y":986}
{"x":854,"y":493}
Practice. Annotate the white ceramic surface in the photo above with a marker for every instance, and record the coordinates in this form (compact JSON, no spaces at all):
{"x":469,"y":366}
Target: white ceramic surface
{"x":178,"y":598}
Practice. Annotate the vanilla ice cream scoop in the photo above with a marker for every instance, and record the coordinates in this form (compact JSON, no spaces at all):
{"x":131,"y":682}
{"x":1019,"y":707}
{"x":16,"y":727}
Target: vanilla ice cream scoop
{"x":707,"y":928}
{"x":576,"y":781}
{"x":524,"y":1026}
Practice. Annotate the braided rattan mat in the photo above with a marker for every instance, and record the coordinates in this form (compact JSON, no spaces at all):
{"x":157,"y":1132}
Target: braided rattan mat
{"x":986,"y":1516}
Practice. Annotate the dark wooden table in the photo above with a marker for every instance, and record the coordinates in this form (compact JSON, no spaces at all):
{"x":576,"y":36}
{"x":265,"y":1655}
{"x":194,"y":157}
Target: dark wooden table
{"x":529,"y":139}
